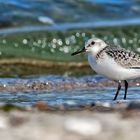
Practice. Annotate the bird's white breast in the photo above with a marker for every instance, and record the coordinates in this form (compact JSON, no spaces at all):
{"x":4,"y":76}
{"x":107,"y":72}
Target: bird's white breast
{"x":108,"y":67}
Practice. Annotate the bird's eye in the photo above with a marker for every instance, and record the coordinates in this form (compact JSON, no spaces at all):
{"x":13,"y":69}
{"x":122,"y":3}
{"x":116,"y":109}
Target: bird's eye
{"x":92,"y":43}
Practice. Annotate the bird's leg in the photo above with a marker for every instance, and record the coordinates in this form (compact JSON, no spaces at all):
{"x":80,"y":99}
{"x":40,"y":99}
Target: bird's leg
{"x":119,"y":87}
{"x":126,"y":87}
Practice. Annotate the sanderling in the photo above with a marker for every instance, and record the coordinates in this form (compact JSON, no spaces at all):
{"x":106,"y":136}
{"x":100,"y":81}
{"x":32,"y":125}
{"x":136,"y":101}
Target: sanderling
{"x":114,"y":62}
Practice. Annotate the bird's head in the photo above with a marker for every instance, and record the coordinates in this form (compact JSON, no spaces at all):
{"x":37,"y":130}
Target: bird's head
{"x":92,"y":45}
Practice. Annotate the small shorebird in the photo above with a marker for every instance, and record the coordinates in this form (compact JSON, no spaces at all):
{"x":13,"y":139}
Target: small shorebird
{"x":113,"y":62}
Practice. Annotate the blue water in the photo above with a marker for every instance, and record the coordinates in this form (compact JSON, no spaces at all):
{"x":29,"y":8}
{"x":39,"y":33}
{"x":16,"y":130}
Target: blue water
{"x":69,"y":97}
{"x":69,"y":14}
{"x":28,"y":15}
{"x":82,"y":95}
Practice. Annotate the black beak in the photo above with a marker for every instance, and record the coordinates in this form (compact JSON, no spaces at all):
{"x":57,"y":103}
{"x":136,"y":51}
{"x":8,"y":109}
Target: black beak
{"x":79,"y":51}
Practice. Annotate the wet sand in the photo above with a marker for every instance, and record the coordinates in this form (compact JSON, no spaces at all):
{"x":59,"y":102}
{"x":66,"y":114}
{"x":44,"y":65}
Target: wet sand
{"x":63,"y":83}
{"x":117,"y":121}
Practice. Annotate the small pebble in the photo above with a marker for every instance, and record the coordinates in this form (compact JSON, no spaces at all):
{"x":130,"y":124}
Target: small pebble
{"x":3,"y":123}
{"x":40,"y":105}
{"x":134,"y":105}
{"x":83,"y":126}
{"x":103,"y":104}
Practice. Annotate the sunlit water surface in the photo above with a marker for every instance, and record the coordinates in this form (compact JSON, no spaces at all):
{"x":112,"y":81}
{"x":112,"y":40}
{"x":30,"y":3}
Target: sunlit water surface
{"x":55,"y":15}
{"x":76,"y":96}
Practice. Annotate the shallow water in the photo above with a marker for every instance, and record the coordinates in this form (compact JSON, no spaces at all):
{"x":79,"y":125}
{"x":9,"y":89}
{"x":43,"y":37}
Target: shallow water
{"x":73,"y":22}
{"x":70,"y":95}
{"x":55,"y":29}
{"x":70,"y":13}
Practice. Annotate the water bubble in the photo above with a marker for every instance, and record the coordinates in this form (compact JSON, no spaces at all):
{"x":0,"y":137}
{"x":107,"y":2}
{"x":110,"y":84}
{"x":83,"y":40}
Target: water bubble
{"x":83,"y":34}
{"x":130,"y":41}
{"x":43,"y":46}
{"x":52,"y":50}
{"x":60,"y":42}
{"x":44,"y":43}
{"x":73,"y":37}
{"x":115,"y":41}
{"x":67,"y":41}
{"x":16,"y":44}
{"x":54,"y":46}
{"x":4,"y":41}
{"x":54,"y":40}
{"x":92,"y":36}
{"x":123,"y":40}
{"x":61,"y":49}
{"x":25,"y":41}
{"x":39,"y":41}
{"x":105,"y":37}
{"x":35,"y":44}
{"x":77,"y":34}
{"x":138,"y":49}
{"x":66,"y":49}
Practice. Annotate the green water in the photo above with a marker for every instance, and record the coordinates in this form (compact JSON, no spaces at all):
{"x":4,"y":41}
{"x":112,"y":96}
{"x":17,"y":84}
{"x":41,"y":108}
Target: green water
{"x":58,"y":45}
{"x":38,"y":37}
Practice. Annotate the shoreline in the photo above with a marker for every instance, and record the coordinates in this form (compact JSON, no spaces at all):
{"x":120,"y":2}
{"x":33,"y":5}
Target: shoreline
{"x":100,"y":121}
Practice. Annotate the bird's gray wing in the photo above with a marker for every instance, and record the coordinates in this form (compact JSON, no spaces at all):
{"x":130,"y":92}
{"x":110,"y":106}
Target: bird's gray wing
{"x":123,"y":57}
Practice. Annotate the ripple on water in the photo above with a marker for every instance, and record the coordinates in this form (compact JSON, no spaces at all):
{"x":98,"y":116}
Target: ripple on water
{"x":56,"y":96}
